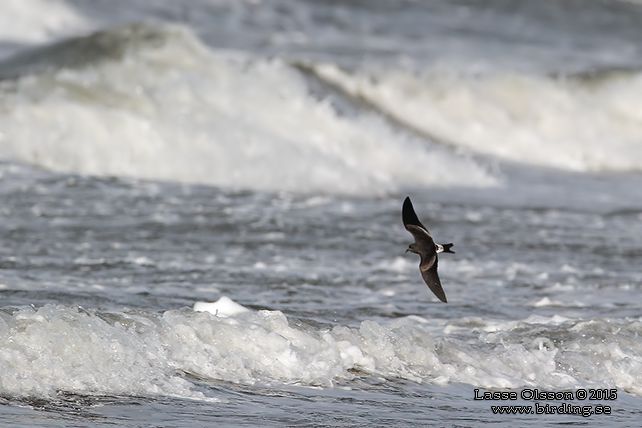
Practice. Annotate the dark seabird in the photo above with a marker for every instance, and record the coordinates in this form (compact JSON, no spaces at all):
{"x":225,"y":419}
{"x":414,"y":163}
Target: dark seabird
{"x":426,"y":248}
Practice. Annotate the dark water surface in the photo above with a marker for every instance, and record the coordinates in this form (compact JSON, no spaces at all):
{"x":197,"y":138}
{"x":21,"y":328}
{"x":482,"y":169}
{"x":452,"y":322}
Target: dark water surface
{"x":259,"y":152}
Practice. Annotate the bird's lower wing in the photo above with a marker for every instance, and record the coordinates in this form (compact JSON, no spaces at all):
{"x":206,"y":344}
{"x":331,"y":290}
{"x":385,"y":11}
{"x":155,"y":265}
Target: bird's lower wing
{"x":431,"y":278}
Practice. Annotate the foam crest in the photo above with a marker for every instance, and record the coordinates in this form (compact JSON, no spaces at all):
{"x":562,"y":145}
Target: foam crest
{"x":155,"y":103}
{"x":61,"y":349}
{"x":58,"y":348}
{"x":36,"y":21}
{"x":581,"y":123}
{"x":223,"y":307}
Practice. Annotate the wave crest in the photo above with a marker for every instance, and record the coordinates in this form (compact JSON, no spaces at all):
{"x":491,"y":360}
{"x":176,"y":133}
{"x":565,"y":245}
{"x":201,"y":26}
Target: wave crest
{"x":573,"y":123}
{"x":57,"y":348}
{"x":150,"y":101}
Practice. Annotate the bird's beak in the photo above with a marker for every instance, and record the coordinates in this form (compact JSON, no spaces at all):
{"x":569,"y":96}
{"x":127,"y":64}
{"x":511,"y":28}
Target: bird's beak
{"x":407,"y":249}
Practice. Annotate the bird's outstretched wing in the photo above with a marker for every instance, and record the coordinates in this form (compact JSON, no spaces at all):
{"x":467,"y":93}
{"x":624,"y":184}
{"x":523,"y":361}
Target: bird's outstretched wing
{"x":414,"y":226}
{"x":431,"y":278}
{"x":410,"y":218}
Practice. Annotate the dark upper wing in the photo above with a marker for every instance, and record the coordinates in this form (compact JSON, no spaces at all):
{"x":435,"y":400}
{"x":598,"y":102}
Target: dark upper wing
{"x":409,"y":216}
{"x":432,"y":280}
{"x":418,"y":230}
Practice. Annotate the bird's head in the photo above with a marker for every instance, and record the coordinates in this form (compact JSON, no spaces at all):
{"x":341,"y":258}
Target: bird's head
{"x":412,"y":248}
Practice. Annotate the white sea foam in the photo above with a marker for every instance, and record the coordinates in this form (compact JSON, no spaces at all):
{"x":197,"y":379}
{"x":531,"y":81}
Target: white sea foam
{"x":576,"y":123}
{"x":56,"y":348}
{"x":223,"y":307}
{"x":38,"y":21}
{"x":157,"y":104}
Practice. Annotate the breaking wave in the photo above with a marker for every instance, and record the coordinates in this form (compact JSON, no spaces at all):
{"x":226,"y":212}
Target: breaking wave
{"x":150,"y":101}
{"x":589,"y":122}
{"x":59,"y":348}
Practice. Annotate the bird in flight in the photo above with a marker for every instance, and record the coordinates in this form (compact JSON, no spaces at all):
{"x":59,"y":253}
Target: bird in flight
{"x":426,"y":247}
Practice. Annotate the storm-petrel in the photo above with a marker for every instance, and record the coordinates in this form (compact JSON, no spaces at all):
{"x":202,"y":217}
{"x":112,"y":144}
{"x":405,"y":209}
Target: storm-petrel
{"x":426,"y":248}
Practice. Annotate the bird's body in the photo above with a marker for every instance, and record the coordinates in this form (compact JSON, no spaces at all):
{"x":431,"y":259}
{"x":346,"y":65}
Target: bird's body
{"x":427,"y":249}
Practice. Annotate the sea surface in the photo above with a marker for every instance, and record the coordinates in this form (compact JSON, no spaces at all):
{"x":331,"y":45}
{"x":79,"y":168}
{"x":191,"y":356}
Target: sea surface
{"x":156,"y":154}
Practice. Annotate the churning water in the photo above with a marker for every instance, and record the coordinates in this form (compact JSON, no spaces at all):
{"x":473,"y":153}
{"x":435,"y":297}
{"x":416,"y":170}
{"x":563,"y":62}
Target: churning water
{"x":158,"y":154}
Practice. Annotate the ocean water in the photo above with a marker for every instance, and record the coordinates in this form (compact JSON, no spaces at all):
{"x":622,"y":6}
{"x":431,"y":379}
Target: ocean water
{"x":255,"y":155}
